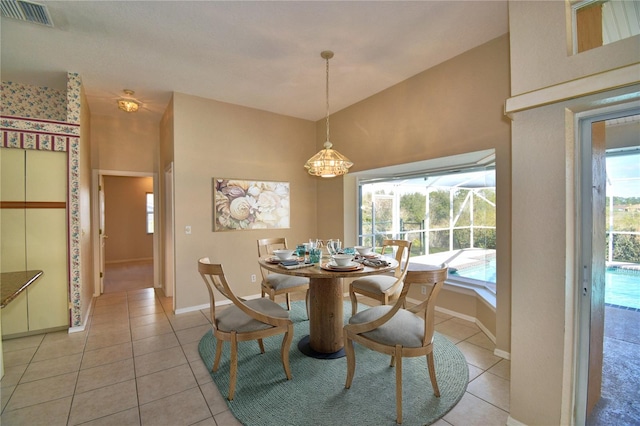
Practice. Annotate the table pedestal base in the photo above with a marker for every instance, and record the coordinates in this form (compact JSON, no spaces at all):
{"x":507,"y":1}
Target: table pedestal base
{"x":325,"y":314}
{"x":305,"y":348}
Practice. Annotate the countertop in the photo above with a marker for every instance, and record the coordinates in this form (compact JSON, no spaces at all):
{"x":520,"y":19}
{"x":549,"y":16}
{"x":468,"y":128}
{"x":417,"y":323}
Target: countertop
{"x":14,"y":283}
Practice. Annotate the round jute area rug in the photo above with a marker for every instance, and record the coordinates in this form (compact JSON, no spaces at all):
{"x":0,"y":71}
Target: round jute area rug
{"x":316,"y":394}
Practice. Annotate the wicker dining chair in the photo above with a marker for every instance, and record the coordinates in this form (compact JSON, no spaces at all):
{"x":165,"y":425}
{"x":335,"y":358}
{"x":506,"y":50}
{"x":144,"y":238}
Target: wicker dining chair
{"x":384,"y":288}
{"x":246,"y":320}
{"x":399,"y":332}
{"x":273,"y":283}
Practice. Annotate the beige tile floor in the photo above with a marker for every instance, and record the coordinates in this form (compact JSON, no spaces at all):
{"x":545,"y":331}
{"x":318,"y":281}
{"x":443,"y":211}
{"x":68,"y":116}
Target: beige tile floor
{"x":137,"y":364}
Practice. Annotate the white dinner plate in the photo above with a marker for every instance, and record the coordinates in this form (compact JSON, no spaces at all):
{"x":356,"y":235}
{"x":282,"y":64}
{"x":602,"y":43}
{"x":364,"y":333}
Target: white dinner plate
{"x":276,"y":260}
{"x":352,"y":266}
{"x":370,"y":256}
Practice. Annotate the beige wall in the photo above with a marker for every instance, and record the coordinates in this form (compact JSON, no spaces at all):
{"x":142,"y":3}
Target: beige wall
{"x":165,"y":238}
{"x":215,"y":139}
{"x":453,"y":108}
{"x":166,"y":137}
{"x":540,"y":48}
{"x":544,"y":283}
{"x":126,"y":143}
{"x":125,"y":218}
{"x":86,"y":240}
{"x":538,"y":269}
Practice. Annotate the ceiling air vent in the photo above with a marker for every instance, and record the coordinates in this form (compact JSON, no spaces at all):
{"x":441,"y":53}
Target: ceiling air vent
{"x":26,"y":11}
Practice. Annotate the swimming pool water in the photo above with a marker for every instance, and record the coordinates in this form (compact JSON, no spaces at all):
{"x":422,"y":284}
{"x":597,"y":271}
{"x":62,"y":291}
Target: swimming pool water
{"x":481,"y":272}
{"x":622,"y":286}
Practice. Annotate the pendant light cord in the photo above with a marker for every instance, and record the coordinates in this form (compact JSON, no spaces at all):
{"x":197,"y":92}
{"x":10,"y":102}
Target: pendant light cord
{"x":328,"y":162}
{"x":327,"y":99}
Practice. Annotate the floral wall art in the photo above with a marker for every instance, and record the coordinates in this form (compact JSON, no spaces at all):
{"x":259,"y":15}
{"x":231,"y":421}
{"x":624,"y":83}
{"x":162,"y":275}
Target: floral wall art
{"x":246,"y":204}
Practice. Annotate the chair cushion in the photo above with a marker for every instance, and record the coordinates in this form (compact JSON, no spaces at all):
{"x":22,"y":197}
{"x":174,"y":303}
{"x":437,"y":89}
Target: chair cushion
{"x":282,"y":281}
{"x":375,"y":283}
{"x":232,"y":318}
{"x":404,"y":328}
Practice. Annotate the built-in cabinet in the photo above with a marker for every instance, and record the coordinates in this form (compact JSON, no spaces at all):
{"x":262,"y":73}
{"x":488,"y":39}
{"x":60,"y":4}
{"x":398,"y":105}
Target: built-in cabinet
{"x":33,"y":220}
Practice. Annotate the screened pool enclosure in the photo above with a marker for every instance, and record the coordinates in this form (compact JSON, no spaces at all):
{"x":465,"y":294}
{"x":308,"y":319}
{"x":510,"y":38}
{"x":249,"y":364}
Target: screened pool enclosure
{"x":449,"y":217}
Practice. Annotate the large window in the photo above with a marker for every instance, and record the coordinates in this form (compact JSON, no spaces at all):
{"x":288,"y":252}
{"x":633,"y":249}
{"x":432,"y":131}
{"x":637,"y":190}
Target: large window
{"x":623,"y":206}
{"x":450,"y":216}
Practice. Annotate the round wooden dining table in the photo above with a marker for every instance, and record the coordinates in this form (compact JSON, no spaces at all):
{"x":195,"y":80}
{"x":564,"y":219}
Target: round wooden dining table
{"x":325,"y":304}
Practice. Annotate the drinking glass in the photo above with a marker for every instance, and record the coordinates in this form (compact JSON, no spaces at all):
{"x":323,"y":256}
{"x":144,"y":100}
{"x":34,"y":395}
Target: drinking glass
{"x":314,"y":255}
{"x":307,"y":248}
{"x":334,"y":246}
{"x":313,"y":243}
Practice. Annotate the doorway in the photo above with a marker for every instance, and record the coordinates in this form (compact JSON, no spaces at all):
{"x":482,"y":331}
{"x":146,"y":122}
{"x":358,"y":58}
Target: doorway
{"x":129,"y":227}
{"x":127,"y":239}
{"x":600,"y":379}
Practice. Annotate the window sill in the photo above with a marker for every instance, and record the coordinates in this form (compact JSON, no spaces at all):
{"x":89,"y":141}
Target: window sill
{"x":479,"y":291}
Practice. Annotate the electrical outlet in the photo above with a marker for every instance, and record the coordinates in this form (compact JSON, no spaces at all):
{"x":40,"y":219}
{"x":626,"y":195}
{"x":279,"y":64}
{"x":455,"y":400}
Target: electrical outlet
{"x":423,"y":289}
{"x":253,"y":278}
{"x":187,"y":230}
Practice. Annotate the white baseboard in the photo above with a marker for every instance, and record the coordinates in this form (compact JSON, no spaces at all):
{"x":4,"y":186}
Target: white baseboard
{"x":486,"y":331}
{"x":219,"y":303}
{"x":77,"y":329}
{"x":469,"y":318}
{"x":502,"y":354}
{"x":206,"y":305}
{"x":457,"y":314}
{"x":84,"y":322}
{"x":513,"y":422}
{"x":142,"y":259}
{"x":192,"y":309}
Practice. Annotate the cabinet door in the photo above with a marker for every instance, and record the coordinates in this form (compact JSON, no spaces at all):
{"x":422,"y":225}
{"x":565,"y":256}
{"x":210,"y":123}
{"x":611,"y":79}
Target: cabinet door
{"x":47,"y":250}
{"x":12,"y":178}
{"x":46,"y":176}
{"x":12,"y":258}
{"x":46,"y":238}
{"x":12,"y":184}
{"x":12,"y":241}
{"x":14,"y":316}
{"x":12,"y":235}
{"x":35,"y":238}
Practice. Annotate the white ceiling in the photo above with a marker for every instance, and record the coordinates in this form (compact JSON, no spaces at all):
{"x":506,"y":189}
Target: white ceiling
{"x":260,"y":54}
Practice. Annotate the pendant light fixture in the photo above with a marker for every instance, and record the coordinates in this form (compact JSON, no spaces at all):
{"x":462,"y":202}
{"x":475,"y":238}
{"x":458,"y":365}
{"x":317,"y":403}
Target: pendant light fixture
{"x":128,"y":104}
{"x":328,"y":162}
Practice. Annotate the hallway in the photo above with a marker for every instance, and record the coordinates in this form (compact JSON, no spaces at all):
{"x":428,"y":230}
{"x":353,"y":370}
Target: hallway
{"x":128,"y":276}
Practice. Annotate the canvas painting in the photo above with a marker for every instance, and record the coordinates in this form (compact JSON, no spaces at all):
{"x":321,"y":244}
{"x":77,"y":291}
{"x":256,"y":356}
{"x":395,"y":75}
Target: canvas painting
{"x":247,"y":204}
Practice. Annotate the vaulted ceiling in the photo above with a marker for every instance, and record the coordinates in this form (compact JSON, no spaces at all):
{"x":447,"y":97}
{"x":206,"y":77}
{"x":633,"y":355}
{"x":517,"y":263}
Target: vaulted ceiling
{"x":260,"y":54}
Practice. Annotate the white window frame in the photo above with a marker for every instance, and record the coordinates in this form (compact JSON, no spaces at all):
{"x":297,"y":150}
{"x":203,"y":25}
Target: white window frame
{"x":467,"y":161}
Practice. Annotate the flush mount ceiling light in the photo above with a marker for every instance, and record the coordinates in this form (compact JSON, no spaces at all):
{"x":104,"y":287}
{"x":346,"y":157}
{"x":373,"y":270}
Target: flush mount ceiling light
{"x":128,"y":104}
{"x":328,"y":162}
